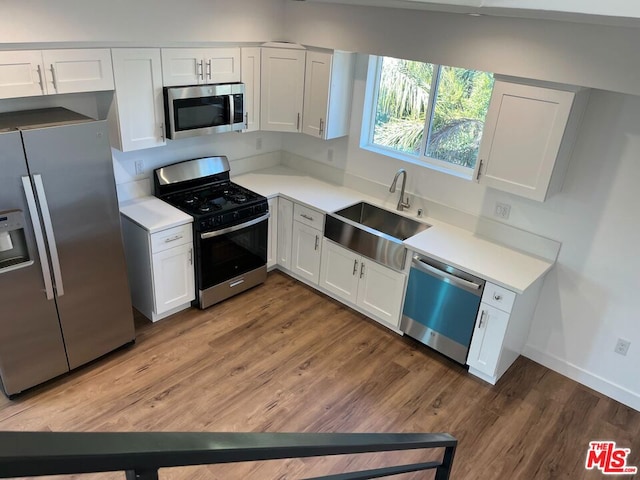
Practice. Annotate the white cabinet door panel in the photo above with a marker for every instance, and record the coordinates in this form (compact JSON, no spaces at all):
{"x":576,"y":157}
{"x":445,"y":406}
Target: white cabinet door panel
{"x":173,"y":278}
{"x":380,"y":291}
{"x":282,"y":89}
{"x":250,"y":76}
{"x":339,"y":271}
{"x":182,"y":66}
{"x":78,"y":70}
{"x":316,"y":93}
{"x":21,"y":74}
{"x":285,"y":225}
{"x":138,"y":119}
{"x":305,"y":252}
{"x":486,"y":342}
{"x":222,"y":65}
{"x":272,"y":235}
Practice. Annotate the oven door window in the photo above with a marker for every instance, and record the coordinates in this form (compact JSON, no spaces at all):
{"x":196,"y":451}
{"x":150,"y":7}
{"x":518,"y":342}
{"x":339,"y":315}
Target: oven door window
{"x":202,"y":112}
{"x":232,"y":254}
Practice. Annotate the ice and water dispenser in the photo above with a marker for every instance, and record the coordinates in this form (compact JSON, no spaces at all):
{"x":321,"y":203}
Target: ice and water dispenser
{"x":13,"y":242}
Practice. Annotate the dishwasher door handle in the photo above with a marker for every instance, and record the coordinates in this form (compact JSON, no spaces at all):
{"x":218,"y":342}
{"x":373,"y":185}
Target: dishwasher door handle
{"x":453,"y":279}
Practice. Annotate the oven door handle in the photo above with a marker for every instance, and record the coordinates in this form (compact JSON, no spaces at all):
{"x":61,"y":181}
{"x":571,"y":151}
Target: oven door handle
{"x":235,"y":228}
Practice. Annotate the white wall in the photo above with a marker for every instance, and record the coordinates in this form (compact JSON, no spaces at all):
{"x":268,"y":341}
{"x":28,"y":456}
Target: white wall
{"x":590,"y":298}
{"x":140,"y":21}
{"x":589,"y":55}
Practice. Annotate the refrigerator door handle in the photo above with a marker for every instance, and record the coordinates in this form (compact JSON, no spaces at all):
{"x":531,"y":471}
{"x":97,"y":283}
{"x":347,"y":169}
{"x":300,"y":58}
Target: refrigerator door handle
{"x":51,"y":239}
{"x":37,"y":230}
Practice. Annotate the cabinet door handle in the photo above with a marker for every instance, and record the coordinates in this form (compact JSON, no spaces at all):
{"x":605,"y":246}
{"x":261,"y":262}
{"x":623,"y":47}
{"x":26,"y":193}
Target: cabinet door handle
{"x":482,"y":316}
{"x":321,"y":129}
{"x":53,"y":78}
{"x":480,"y":169}
{"x":172,"y":239}
{"x":162,"y":132}
{"x":40,"y":79}
{"x":362,"y":270}
{"x":497,"y":297}
{"x":209,"y":69}
{"x":317,"y":243}
{"x":298,"y":122}
{"x":200,"y":69}
{"x":246,"y":121}
{"x":355,"y":266}
{"x":191,"y":256}
{"x":303,"y":215}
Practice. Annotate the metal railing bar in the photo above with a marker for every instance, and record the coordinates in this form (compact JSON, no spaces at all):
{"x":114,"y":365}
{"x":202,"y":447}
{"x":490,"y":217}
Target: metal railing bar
{"x":56,"y":453}
{"x":380,"y":472}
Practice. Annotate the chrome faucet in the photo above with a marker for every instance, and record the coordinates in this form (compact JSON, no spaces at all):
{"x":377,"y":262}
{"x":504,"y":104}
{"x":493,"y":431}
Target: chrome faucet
{"x":401,"y":204}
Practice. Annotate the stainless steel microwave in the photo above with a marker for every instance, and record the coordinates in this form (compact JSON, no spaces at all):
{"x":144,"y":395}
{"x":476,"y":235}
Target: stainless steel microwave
{"x":204,"y":109}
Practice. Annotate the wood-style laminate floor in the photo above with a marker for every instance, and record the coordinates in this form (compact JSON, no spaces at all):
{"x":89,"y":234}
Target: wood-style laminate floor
{"x":283,"y":357}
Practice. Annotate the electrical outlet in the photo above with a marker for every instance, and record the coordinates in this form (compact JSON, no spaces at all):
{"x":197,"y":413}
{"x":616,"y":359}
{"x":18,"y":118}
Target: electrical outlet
{"x":622,"y":346}
{"x":139,"y":167}
{"x":502,"y":210}
{"x":259,"y":143}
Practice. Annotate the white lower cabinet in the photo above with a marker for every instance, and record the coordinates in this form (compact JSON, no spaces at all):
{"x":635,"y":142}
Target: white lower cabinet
{"x":484,"y":352}
{"x":501,"y":330}
{"x":374,"y":288}
{"x":272,"y":233}
{"x":306,"y":251}
{"x":285,"y":223}
{"x":173,"y":281}
{"x":160,"y":268}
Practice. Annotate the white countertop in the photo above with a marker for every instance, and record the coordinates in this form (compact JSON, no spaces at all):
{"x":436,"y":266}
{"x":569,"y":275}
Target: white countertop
{"x":460,"y":248}
{"x":153,"y":214}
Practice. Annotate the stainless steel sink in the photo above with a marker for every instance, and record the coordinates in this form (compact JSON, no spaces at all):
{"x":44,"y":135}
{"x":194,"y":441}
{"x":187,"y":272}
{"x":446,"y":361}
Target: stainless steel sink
{"x":373,"y":232}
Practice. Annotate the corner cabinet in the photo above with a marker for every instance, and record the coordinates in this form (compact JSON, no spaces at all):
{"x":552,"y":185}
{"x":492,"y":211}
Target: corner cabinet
{"x":528,"y":137}
{"x":501,"y":330}
{"x":136,"y":118}
{"x":328,"y":88}
{"x":307,"y":91}
{"x":282,"y":89}
{"x":193,"y":66}
{"x":160,"y":267}
{"x":26,"y":73}
{"x":377,"y":290}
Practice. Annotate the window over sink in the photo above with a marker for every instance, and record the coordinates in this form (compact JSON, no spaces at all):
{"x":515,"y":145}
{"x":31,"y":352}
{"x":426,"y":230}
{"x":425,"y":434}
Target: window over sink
{"x":424,"y":113}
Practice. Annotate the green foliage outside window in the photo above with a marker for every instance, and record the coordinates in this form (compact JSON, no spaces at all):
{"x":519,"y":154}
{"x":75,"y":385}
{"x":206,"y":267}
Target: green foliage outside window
{"x":459,"y":109}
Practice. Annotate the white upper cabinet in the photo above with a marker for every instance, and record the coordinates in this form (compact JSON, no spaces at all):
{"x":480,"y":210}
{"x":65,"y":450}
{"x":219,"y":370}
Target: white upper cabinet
{"x":82,"y":70}
{"x":136,"y":119}
{"x":327,"y":94}
{"x":21,"y":74}
{"x":250,"y":76}
{"x":193,"y":66}
{"x":282,"y":89}
{"x":26,"y":73}
{"x":528,"y":137}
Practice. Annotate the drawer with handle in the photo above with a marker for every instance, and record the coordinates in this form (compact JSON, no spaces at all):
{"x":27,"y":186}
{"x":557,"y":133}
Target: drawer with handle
{"x":308,"y":216}
{"x":498,"y":297}
{"x":172,"y":237}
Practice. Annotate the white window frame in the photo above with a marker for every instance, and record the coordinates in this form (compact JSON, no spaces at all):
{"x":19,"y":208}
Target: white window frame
{"x":368,"y":122}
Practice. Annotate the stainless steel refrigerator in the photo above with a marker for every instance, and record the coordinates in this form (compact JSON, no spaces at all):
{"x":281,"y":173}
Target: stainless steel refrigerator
{"x":64,"y":297}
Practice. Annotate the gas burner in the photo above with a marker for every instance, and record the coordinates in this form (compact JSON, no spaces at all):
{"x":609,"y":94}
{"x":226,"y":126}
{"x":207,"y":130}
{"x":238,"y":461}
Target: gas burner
{"x":205,"y":208}
{"x":190,"y":200}
{"x":238,"y":197}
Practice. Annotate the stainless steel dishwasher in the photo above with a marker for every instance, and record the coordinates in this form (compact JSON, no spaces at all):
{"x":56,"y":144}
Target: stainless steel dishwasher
{"x":441,"y":306}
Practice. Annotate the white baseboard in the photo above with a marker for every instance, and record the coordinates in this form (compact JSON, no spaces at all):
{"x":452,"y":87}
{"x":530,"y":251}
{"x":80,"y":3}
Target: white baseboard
{"x":580,"y":375}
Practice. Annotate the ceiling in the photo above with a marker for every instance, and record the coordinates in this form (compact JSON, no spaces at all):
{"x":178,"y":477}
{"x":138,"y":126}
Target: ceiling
{"x":611,"y":12}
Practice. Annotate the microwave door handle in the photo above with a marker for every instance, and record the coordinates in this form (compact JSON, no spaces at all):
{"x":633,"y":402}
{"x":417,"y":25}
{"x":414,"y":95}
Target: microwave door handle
{"x":232,"y":109}
{"x":37,"y":230}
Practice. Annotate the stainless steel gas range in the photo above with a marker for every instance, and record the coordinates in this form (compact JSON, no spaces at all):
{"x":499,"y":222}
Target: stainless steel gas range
{"x":230,"y":226}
